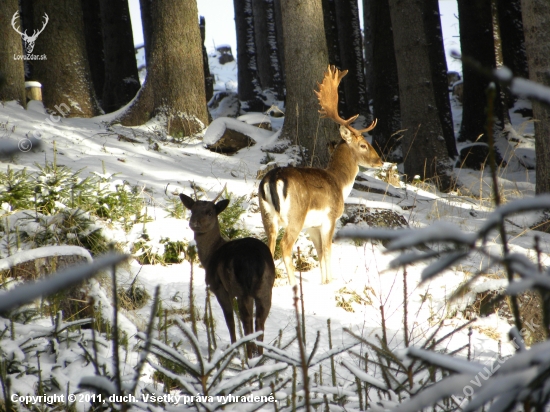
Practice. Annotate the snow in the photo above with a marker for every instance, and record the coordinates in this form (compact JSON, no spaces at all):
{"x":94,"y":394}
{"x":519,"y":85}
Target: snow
{"x":93,"y":144}
{"x":217,"y":128}
{"x":43,"y":252}
{"x":64,"y":279}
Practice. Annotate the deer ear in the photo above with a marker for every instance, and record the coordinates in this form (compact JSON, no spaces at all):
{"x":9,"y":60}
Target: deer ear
{"x":187,"y":201}
{"x":221,"y":205}
{"x":346,"y":134}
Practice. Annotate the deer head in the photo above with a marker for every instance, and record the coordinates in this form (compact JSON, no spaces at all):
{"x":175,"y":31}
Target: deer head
{"x":204,"y":214}
{"x":29,"y":40}
{"x":328,"y":100}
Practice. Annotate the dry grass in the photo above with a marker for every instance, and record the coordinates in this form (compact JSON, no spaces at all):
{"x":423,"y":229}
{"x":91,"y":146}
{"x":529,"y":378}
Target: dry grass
{"x":530,"y":308}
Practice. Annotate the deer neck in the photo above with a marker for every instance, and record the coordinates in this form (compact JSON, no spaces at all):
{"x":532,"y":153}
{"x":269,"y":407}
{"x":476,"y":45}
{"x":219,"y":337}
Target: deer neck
{"x":343,"y":166}
{"x":207,"y":244}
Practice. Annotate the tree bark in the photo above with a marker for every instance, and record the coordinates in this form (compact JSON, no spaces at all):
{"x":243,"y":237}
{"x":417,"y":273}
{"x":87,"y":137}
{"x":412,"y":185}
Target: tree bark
{"x":424,"y":149}
{"x":247,"y":67}
{"x":12,"y":71}
{"x":121,"y":75}
{"x":174,"y":86}
{"x":268,"y":59}
{"x":536,"y":21}
{"x":369,"y":23}
{"x":512,"y":37}
{"x":438,"y":65}
{"x":512,"y":40}
{"x":351,"y":57}
{"x":331,"y":33}
{"x":67,"y":87}
{"x":280,"y":42}
{"x":477,"y":43}
{"x":385,"y":87}
{"x":208,"y":78}
{"x":145,"y":7}
{"x":94,"y":44}
{"x":306,"y":59}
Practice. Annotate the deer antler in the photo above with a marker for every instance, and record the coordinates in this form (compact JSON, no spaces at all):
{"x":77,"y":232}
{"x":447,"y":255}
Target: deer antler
{"x":13,"y":19}
{"x":219,"y":194}
{"x":328,"y":100}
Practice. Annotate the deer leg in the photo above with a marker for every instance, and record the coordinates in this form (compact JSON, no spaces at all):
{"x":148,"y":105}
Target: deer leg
{"x":271,"y":227}
{"x":227,"y":307}
{"x":315,"y":236}
{"x":287,"y":243}
{"x":263,"y":305}
{"x":246,"y":308}
{"x":326,"y":233}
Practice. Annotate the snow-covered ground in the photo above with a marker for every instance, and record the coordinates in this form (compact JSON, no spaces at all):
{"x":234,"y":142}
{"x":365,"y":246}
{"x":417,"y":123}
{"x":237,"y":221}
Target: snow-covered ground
{"x":165,"y":167}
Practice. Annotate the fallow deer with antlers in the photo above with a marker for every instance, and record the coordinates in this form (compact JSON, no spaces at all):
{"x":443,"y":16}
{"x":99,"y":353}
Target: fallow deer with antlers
{"x":299,"y":198}
{"x":241,"y":268}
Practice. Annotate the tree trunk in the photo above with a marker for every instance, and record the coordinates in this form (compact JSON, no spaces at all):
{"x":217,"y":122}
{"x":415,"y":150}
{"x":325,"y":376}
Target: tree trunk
{"x":476,"y":40}
{"x":438,"y":61}
{"x":351,"y":56}
{"x":121,"y":75}
{"x":333,"y":45}
{"x":536,"y":20}
{"x":247,"y":68}
{"x":174,"y":86}
{"x":208,"y":78}
{"x":512,"y":41}
{"x":12,"y":71}
{"x":331,"y":33}
{"x":280,"y":42}
{"x":385,"y":88}
{"x":94,"y":45}
{"x":269,"y":62}
{"x":27,"y":21}
{"x":145,"y":7}
{"x":424,"y":149}
{"x":306,"y":59}
{"x":67,"y":87}
{"x":512,"y":37}
{"x":368,"y":42}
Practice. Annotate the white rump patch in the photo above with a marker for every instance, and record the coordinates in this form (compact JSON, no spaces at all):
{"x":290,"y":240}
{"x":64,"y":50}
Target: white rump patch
{"x":316,"y":218}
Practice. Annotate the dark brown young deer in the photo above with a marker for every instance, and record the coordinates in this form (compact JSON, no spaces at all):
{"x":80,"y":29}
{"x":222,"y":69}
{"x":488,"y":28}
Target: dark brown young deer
{"x":241,"y":268}
{"x":299,"y":198}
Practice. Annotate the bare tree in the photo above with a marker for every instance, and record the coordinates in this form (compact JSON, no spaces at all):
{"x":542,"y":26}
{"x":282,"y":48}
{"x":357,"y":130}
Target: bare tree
{"x":145,"y":7}
{"x":351,"y":55}
{"x":306,"y":59}
{"x":512,"y":36}
{"x":65,"y":73}
{"x":477,"y":43}
{"x":424,"y":149}
{"x":536,"y":15}
{"x":438,"y":64}
{"x":512,"y":43}
{"x":208,"y":78}
{"x":368,"y":42}
{"x":268,"y":58}
{"x":385,"y":85}
{"x":331,"y":34}
{"x":121,"y":75}
{"x":248,"y":77}
{"x":11,"y":69}
{"x":174,"y":86}
{"x":94,"y":44}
